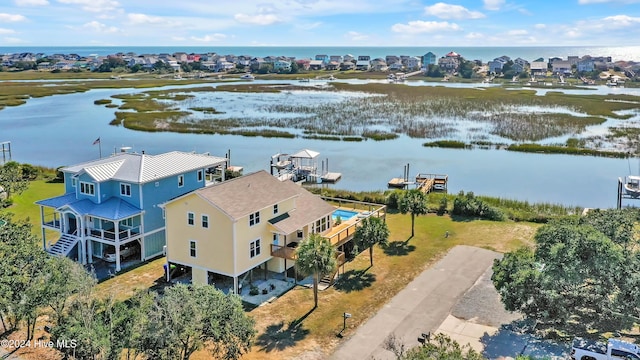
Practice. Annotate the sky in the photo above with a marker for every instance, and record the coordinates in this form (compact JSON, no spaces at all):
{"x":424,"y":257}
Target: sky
{"x":319,"y":23}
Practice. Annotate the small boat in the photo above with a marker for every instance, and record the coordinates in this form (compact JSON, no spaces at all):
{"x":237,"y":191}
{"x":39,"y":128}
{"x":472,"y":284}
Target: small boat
{"x":632,"y":186}
{"x":247,"y":76}
{"x":305,"y":80}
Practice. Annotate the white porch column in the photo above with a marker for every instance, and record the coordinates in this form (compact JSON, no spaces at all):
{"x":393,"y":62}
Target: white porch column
{"x":116,"y":229}
{"x":143,"y":255}
{"x":83,"y":241}
{"x":235,"y":285}
{"x":89,"y":250}
{"x":44,"y":234}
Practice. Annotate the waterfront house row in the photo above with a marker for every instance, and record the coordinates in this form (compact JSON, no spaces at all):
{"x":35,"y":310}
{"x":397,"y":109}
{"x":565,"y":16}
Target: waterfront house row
{"x":110,"y":206}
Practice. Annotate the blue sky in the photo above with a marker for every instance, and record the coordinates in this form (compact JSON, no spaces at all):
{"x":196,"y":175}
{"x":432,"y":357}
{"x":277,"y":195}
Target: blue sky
{"x":319,"y":23}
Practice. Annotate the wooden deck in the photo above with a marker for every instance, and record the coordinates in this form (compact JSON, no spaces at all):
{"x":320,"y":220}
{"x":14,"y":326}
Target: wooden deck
{"x":398,"y":183}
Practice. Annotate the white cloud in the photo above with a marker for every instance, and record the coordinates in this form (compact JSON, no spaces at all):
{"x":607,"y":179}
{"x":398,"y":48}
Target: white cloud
{"x":355,"y":36}
{"x":474,"y":35}
{"x":260,"y":19}
{"x":11,"y":17}
{"x":449,"y":11}
{"x":145,"y":19}
{"x":13,"y":40}
{"x":309,"y":26}
{"x":620,"y":21}
{"x":418,"y":27}
{"x":517,"y":32}
{"x":540,"y":26}
{"x":31,"y":2}
{"x":178,"y":38}
{"x":6,"y":31}
{"x":209,"y":38}
{"x":100,"y":27}
{"x":94,"y":5}
{"x":493,"y":4}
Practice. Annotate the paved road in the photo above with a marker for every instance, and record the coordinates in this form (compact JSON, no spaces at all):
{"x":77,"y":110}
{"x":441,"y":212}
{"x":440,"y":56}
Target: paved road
{"x":420,"y":307}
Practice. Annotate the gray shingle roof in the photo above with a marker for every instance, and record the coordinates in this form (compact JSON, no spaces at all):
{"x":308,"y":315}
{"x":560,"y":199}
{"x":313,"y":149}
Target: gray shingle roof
{"x":143,"y":168}
{"x":247,"y":194}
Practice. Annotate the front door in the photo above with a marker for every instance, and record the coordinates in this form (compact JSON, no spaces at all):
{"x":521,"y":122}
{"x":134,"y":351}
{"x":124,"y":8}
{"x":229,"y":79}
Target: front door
{"x":72,"y":224}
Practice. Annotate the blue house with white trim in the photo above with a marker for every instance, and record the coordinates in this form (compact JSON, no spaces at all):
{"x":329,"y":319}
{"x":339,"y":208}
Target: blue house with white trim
{"x":111,"y":204}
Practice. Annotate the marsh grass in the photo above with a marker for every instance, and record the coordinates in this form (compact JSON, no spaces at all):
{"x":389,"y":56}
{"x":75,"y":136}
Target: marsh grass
{"x":102,"y":102}
{"x":554,"y":149}
{"x":453,"y":144}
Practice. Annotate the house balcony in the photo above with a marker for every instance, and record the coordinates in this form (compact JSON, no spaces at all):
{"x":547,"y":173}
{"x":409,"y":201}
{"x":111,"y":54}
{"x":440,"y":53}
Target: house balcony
{"x":52,"y":221}
{"x":111,"y":236}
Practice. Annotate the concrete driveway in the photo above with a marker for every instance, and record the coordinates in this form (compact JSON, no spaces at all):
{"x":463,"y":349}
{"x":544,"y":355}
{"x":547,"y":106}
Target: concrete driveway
{"x":420,"y":307}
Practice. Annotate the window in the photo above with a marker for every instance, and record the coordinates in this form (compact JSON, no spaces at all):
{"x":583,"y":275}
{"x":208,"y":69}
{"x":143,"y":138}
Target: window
{"x":200,"y":176}
{"x":300,"y":234}
{"x":157,"y":183}
{"x":275,"y":208}
{"x":276,"y":239}
{"x":191,"y":218}
{"x":125,"y":189}
{"x":192,"y":248}
{"x":254,"y":218}
{"x":127,"y":222}
{"x":180,"y":180}
{"x":87,"y":188}
{"x":205,"y":221}
{"x":73,"y":182}
{"x":254,"y":248}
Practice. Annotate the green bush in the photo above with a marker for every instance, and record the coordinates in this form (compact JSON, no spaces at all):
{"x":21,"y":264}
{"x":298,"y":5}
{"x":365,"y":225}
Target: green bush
{"x":468,"y":205}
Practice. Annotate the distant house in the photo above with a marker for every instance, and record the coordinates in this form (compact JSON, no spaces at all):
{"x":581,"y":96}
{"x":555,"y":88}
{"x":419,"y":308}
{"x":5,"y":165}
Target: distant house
{"x":323,"y":58}
{"x":495,"y":66}
{"x":181,"y":56}
{"x":282,"y":66}
{"x":332,"y":65}
{"x":586,"y":64}
{"x":336,"y":58}
{"x":449,"y":63}
{"x":378,"y":64}
{"x":390,"y":59}
{"x":538,"y":68}
{"x":429,"y":59}
{"x":348,"y":57}
{"x":347,"y":65}
{"x":413,"y":62}
{"x":396,"y":66}
{"x":561,"y":67}
{"x":316,"y":65}
{"x":303,"y":64}
{"x":363,"y":65}
{"x":364,"y":58}
{"x":111,"y":204}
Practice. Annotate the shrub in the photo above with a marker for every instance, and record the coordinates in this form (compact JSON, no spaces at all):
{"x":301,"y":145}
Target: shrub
{"x":469,"y":205}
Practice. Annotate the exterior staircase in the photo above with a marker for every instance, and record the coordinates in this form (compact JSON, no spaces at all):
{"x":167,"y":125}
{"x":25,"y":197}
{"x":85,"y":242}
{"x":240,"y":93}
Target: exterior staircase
{"x":64,"y":245}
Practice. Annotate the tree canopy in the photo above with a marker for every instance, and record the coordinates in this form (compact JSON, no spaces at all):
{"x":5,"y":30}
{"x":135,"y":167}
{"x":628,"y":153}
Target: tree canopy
{"x":413,"y":202}
{"x":583,"y":273}
{"x":12,"y":178}
{"x":371,"y":232}
{"x":315,"y":256}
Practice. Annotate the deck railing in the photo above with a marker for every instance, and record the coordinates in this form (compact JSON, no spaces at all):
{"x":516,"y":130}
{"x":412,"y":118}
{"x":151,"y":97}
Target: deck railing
{"x":371,"y":209}
{"x":52,"y":221}
{"x":110,"y":235}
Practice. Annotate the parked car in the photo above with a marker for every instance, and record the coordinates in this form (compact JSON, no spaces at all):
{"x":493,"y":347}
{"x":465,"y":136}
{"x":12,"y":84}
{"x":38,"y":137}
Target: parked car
{"x":614,"y":349}
{"x":125,"y":253}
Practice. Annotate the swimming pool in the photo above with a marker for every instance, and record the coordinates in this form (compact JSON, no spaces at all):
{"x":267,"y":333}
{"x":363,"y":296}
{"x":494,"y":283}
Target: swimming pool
{"x":344,"y":214}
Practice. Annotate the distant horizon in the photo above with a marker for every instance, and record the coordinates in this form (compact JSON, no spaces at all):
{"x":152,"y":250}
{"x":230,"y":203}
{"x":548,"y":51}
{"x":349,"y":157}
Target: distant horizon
{"x":315,"y":22}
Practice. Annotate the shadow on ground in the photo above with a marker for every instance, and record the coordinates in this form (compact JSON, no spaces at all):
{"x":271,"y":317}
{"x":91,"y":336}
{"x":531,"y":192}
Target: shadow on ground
{"x":279,"y":336}
{"x":515,"y":339}
{"x":354,"y":280}
{"x":399,"y":248}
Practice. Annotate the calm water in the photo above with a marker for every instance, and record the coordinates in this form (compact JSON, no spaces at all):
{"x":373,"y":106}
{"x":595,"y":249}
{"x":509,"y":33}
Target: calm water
{"x":59,"y":130}
{"x":472,"y":53}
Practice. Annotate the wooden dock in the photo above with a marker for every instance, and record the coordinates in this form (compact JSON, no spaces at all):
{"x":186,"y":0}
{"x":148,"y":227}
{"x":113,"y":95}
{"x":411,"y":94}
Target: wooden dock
{"x":331,"y":177}
{"x":431,"y":182}
{"x":398,"y":183}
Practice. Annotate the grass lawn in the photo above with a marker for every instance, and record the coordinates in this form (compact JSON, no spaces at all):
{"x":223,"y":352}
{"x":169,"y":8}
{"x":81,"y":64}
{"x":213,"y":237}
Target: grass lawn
{"x":24,"y":207}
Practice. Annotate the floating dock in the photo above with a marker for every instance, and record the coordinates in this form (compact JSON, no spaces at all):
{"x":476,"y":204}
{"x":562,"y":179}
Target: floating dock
{"x":302,"y":167}
{"x":331,"y":177}
{"x":423,"y":182}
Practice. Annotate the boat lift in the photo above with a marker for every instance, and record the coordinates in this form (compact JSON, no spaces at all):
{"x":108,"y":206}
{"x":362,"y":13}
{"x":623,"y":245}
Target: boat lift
{"x":6,"y":149}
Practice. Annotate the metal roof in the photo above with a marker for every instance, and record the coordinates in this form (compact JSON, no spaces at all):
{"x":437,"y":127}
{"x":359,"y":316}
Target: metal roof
{"x":305,"y":154}
{"x":112,"y":209}
{"x":143,"y":168}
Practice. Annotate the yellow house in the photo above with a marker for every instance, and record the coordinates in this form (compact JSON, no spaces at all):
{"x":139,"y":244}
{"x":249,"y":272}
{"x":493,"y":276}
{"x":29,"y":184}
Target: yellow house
{"x":235,"y":226}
